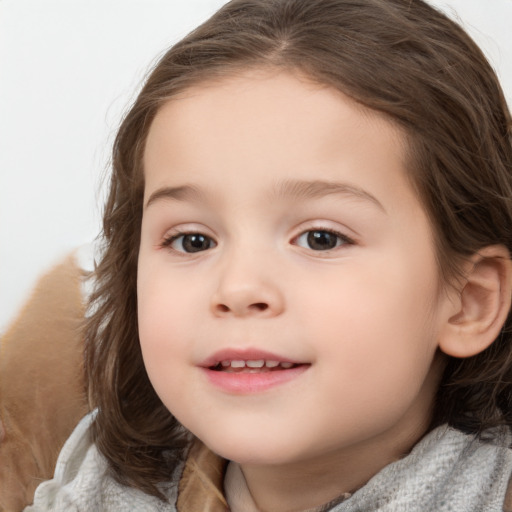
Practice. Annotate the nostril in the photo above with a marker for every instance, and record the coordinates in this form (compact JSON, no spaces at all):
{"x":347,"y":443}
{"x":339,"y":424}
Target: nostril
{"x":242,"y":309}
{"x":260,"y":306}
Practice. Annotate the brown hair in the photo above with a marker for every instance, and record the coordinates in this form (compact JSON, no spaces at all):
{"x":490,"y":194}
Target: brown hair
{"x":401,"y":58}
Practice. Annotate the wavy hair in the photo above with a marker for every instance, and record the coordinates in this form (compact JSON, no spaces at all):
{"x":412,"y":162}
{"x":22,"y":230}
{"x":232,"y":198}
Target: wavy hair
{"x":401,"y":58}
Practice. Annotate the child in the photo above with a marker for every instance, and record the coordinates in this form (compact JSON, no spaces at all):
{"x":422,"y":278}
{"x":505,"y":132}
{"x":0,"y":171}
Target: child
{"x":303,"y":300}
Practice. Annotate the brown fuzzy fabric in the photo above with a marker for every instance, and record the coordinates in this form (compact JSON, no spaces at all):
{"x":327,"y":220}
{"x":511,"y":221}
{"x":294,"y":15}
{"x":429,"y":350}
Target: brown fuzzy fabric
{"x":42,"y":394}
{"x":201,"y":483}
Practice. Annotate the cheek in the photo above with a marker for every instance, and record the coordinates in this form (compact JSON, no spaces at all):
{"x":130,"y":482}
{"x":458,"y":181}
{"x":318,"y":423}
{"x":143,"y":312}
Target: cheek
{"x":374,"y":316}
{"x":165,"y":298}
{"x":162,"y":339}
{"x":374,"y":350}
{"x":162,"y":319}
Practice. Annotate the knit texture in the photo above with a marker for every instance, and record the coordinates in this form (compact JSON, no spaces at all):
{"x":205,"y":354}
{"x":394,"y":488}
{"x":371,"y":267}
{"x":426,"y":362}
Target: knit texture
{"x":447,"y":471}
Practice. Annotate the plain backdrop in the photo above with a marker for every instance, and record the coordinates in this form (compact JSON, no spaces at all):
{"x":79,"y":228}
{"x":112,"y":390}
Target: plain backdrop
{"x":69,"y":69}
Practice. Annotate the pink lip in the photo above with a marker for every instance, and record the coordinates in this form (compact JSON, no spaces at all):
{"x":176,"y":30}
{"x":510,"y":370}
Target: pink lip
{"x":242,"y":383}
{"x":249,"y":383}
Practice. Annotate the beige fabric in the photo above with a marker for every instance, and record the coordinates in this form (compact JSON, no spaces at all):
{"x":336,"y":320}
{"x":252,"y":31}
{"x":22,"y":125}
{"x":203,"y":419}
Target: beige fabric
{"x":200,"y":486}
{"x":41,"y":384}
{"x":237,"y":493}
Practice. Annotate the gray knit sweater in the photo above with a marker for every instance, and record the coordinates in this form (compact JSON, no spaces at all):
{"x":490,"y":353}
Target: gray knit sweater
{"x":446,"y":471}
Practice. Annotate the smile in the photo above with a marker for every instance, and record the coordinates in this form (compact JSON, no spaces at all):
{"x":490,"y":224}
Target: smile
{"x":252,"y":366}
{"x":250,"y":371}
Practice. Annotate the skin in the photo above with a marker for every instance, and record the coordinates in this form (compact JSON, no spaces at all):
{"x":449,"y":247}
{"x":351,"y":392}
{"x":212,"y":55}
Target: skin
{"x":367,"y":316}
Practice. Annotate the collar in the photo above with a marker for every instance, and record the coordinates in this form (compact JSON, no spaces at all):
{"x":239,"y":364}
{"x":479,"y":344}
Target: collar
{"x":201,"y":483}
{"x":240,"y":499}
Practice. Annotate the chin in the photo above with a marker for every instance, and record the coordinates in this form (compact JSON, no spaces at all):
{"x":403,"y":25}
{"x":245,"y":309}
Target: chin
{"x":253,"y":451}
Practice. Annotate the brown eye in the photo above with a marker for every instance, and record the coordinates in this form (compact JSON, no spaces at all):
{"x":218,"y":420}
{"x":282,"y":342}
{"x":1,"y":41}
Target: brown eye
{"x":191,"y":242}
{"x":322,"y":240}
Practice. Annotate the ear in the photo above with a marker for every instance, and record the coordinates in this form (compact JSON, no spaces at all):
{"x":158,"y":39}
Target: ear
{"x":482,"y":304}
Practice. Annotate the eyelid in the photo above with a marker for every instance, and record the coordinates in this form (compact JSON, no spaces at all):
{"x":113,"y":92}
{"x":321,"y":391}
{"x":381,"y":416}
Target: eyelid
{"x":336,"y":228}
{"x":187,"y":228}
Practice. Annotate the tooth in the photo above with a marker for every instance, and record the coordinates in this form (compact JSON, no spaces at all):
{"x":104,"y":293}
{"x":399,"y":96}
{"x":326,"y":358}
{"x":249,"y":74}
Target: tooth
{"x":286,"y":365}
{"x":255,"y":364}
{"x":271,"y":364}
{"x":225,"y":363}
{"x":237,"y":364}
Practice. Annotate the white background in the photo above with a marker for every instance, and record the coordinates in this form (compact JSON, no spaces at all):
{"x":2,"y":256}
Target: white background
{"x":68,"y":71}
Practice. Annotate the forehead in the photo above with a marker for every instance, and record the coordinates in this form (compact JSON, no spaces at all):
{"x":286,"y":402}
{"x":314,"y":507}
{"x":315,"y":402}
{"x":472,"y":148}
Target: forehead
{"x":251,"y":93}
{"x":266,"y":124}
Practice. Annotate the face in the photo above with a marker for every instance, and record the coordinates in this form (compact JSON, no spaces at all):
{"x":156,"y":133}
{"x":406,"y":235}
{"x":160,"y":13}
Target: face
{"x":288,"y":294}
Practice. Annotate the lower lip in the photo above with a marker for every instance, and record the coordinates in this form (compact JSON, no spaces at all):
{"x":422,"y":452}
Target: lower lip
{"x":248,"y":383}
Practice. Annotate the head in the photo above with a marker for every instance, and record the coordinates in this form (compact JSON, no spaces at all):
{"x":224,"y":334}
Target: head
{"x":411,"y":68}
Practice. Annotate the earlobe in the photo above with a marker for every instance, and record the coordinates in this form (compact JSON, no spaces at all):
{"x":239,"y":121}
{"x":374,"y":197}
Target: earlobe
{"x":482,"y":306}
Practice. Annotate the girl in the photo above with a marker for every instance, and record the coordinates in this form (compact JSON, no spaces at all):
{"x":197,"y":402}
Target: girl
{"x":303,"y":302}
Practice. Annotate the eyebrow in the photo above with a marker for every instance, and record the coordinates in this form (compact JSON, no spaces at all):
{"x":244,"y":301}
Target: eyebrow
{"x":182,"y":193}
{"x":300,"y":189}
{"x":296,"y":189}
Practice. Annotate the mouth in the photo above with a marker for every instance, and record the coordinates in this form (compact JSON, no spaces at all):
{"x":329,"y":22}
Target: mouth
{"x":250,"y":371}
{"x":252,"y":366}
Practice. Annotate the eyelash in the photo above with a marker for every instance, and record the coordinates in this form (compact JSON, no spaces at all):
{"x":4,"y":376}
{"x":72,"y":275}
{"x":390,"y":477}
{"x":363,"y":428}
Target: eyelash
{"x":340,"y":240}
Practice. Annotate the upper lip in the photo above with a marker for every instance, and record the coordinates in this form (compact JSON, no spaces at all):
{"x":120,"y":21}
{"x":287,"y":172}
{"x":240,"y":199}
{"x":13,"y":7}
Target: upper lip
{"x":247,"y":354}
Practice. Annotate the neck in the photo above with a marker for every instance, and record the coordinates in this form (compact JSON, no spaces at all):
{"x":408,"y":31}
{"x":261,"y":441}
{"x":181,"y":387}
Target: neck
{"x":301,"y":486}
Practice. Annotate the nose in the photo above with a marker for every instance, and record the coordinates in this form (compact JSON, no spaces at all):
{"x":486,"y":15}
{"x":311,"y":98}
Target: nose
{"x":247,"y":288}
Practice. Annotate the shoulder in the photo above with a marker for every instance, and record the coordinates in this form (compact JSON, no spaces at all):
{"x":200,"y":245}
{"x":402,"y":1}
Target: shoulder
{"x":447,"y":470}
{"x":478,"y":470}
{"x":82,"y":483}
